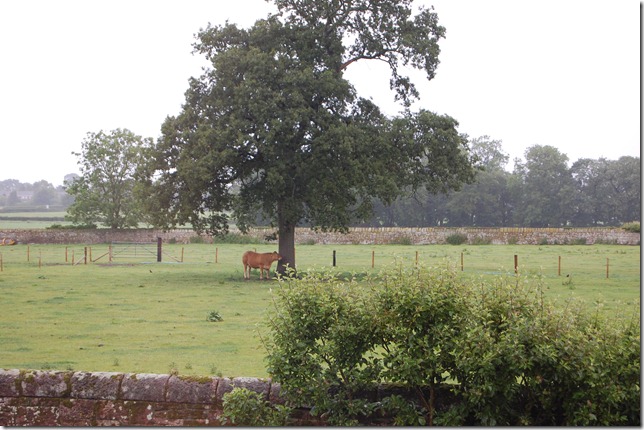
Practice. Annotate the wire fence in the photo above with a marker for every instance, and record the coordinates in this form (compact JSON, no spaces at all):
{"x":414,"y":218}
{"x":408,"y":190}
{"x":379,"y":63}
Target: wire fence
{"x":599,"y":261}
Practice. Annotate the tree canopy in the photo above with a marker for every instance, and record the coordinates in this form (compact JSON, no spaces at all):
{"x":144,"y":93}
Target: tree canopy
{"x":105,"y":191}
{"x":272,"y":125}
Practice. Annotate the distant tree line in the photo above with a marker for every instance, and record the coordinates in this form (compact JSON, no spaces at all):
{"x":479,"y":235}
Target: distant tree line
{"x":541,"y":191}
{"x":41,"y":195}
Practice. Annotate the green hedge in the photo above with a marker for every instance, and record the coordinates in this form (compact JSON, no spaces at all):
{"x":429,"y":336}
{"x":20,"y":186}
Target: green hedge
{"x":508,"y":356}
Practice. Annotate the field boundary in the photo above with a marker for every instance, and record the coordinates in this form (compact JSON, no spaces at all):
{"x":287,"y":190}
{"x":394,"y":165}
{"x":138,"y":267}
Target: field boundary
{"x":88,"y":399}
{"x":355,"y":236}
{"x":67,"y":398}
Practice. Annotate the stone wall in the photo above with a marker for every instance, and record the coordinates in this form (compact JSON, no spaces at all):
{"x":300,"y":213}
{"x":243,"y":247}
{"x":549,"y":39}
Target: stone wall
{"x":70,"y":399}
{"x":358,"y":235}
{"x":84,"y":399}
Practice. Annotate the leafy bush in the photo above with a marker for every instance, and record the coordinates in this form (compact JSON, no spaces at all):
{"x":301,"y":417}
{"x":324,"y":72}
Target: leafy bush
{"x":478,"y":240}
{"x":507,"y":356}
{"x":401,"y":240}
{"x":237,"y":238}
{"x":243,"y":407}
{"x":632,"y":226}
{"x":456,"y":239}
{"x":72,"y":227}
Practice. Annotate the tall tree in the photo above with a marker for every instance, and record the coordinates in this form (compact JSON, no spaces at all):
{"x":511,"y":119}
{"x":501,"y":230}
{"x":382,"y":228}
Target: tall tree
{"x":547,"y":188}
{"x":486,"y":202}
{"x":105,"y":191}
{"x":275,"y":117}
{"x":623,"y":180}
{"x":590,"y":204}
{"x":44,"y":193}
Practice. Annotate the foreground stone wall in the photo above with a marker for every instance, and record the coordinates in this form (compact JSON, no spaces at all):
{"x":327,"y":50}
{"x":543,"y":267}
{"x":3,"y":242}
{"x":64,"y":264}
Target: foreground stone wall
{"x":51,"y":398}
{"x":84,"y":399}
{"x":358,"y":235}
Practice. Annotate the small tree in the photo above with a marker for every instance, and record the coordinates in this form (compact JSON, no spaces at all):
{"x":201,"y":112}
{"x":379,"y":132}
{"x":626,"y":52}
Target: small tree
{"x":105,"y":191}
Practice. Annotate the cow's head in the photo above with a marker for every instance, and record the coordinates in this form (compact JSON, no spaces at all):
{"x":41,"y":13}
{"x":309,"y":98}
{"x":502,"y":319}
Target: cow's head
{"x":276,"y":256}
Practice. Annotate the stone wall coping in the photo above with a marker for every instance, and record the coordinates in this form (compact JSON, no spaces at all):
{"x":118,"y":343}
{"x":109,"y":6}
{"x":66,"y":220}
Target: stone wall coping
{"x":128,"y":386}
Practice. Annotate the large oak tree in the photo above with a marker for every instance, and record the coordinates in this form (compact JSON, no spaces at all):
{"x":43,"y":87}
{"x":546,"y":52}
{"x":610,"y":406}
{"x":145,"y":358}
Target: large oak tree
{"x":272,"y":126}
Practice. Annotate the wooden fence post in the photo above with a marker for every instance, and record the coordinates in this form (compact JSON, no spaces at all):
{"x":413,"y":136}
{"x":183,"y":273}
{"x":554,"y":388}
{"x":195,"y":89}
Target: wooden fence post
{"x":559,"y":271}
{"x":516,"y":263}
{"x":159,"y":249}
{"x":373,"y":258}
{"x":334,"y":258}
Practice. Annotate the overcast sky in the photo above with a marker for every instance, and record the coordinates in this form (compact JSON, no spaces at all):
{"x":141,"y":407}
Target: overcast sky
{"x":564,"y":73}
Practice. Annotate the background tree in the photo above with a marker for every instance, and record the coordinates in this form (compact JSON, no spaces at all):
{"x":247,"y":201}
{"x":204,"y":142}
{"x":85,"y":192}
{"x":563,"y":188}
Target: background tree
{"x":547,"y":188}
{"x":487,"y":201}
{"x":275,"y":116}
{"x":44,"y":194}
{"x":590,"y":208}
{"x":624,"y":189}
{"x":104,"y":192}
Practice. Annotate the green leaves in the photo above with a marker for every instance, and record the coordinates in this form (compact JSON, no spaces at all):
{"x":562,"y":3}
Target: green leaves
{"x":273,"y":127}
{"x":106,"y":191}
{"x":508,"y":357}
{"x":243,"y":407}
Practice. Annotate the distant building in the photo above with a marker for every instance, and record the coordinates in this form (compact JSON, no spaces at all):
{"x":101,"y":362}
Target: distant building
{"x":25,"y":196}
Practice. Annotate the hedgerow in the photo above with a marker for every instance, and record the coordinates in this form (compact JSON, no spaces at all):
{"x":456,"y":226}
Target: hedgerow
{"x":470,"y":353}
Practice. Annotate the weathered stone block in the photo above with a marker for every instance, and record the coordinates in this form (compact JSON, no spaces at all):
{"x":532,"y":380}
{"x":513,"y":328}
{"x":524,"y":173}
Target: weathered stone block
{"x":110,"y":412}
{"x":76,"y":413}
{"x":39,"y":383}
{"x":144,"y":386}
{"x":37,"y":412}
{"x":96,"y":385}
{"x":8,"y":379}
{"x":185,"y":389}
{"x":139,"y":413}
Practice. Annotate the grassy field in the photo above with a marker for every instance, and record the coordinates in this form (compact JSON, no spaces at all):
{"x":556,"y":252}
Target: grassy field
{"x":136,"y":315}
{"x":31,"y":220}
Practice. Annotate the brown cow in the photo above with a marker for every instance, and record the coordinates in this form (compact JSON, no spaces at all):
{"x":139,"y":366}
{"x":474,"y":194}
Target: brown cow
{"x":254,"y":260}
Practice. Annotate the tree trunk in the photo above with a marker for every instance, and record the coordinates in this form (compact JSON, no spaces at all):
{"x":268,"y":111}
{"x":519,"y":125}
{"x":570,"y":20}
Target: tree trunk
{"x":286,"y":242}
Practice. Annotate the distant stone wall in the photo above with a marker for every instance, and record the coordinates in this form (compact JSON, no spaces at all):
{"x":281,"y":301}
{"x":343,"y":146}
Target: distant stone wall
{"x":358,"y":235}
{"x":496,"y":236}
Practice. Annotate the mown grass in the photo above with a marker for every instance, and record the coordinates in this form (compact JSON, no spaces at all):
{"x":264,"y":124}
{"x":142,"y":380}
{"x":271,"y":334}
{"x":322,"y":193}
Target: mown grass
{"x":137,"y":315}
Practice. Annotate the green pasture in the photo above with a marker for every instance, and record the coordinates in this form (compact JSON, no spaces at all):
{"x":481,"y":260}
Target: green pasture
{"x":133,"y":314}
{"x":31,"y":220}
